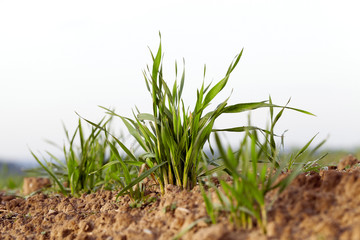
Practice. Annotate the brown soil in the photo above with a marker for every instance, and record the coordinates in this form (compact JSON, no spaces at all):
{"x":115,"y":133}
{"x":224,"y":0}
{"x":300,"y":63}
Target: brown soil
{"x":315,"y":206}
{"x":33,"y":184}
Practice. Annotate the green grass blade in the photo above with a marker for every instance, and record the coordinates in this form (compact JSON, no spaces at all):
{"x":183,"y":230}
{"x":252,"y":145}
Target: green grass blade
{"x":50,"y":172}
{"x":241,"y":129}
{"x":242,"y":107}
{"x":212,"y":171}
{"x":305,"y":147}
{"x":146,"y":116}
{"x":208,"y":205}
{"x":214,"y":91}
{"x":127,"y":151}
{"x":123,"y":165}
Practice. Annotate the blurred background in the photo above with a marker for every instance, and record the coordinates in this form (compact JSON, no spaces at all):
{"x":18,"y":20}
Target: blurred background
{"x":62,"y":57}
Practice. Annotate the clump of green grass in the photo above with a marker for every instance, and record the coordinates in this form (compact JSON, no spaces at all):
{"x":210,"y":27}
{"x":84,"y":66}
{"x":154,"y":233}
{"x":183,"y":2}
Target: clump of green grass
{"x":254,"y":170}
{"x":82,"y":170}
{"x":309,"y":160}
{"x":244,"y":197}
{"x":172,"y":137}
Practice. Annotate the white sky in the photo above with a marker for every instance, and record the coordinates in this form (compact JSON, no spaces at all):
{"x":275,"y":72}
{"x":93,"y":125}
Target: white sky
{"x":58,"y":57}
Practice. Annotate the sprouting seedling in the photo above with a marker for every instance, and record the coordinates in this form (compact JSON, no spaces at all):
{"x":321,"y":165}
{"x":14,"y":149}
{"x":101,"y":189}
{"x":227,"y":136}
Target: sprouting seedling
{"x":82,"y":168}
{"x":244,"y":198}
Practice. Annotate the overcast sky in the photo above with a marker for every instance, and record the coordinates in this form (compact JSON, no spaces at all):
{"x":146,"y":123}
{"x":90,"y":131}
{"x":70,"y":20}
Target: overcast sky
{"x":58,"y":57}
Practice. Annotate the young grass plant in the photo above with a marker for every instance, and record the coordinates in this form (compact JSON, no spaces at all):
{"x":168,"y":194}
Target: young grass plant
{"x":173,"y":137}
{"x":172,"y":134}
{"x":306,"y":158}
{"x":254,"y":169}
{"x":244,"y":198}
{"x":79,"y":173}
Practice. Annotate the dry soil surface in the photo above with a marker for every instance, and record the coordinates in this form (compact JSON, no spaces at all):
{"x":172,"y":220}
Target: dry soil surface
{"x":323,"y":205}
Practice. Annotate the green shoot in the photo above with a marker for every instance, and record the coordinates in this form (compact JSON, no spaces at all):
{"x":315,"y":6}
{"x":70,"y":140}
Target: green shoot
{"x":79,"y":173}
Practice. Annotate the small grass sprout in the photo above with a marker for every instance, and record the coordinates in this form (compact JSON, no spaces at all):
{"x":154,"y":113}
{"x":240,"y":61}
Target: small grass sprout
{"x":306,"y":158}
{"x":173,"y":137}
{"x":80,"y":171}
{"x":254,"y":170}
{"x":244,"y":197}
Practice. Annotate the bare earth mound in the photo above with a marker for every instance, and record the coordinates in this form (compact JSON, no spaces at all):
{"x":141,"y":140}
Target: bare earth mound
{"x":314,"y":206}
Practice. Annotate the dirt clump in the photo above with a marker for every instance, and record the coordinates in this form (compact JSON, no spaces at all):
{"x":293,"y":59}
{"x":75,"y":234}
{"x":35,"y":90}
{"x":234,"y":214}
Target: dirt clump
{"x":315,"y":206}
{"x":32,"y":184}
{"x":319,"y":206}
{"x":347,"y":162}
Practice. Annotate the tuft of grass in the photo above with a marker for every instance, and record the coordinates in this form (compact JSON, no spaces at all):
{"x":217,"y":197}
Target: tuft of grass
{"x":172,"y":137}
{"x":254,"y":170}
{"x":82,"y":170}
{"x":244,"y":197}
{"x":306,"y":158}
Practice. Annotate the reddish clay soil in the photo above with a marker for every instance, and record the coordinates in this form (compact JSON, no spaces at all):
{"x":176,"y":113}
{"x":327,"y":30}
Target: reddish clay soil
{"x":323,"y":205}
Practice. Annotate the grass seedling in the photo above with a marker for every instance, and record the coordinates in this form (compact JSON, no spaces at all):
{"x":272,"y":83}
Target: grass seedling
{"x":254,"y":169}
{"x":80,"y":170}
{"x":305,"y":157}
{"x":244,"y":197}
{"x":173,"y":137}
{"x":172,"y":134}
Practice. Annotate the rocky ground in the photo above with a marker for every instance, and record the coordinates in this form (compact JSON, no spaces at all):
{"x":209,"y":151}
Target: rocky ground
{"x":323,"y":205}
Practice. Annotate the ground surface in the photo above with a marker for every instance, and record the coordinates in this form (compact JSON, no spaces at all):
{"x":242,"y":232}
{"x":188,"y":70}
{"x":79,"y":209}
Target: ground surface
{"x":323,"y":205}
